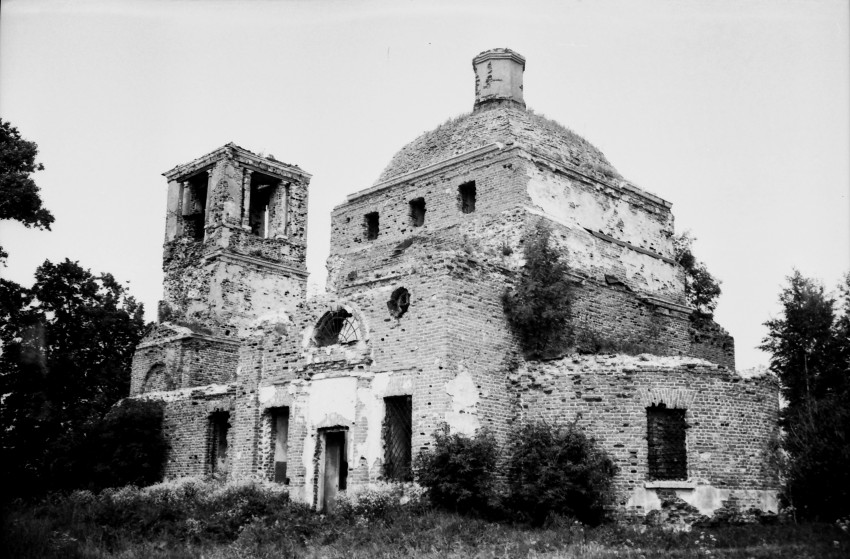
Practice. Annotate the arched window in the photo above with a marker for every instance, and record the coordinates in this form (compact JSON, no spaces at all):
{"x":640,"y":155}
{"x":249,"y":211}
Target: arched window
{"x":336,"y":327}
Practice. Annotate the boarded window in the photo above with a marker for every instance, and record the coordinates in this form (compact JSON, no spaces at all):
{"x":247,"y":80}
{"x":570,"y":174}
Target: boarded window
{"x":466,"y":197}
{"x":666,"y":432}
{"x":398,"y":432}
{"x":219,"y":427}
{"x":370,"y":223}
{"x":336,"y":327}
{"x":417,"y":212}
{"x":280,"y":443}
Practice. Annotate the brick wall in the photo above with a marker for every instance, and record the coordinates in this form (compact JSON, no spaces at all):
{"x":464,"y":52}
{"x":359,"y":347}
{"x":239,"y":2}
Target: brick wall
{"x":186,"y":426}
{"x":731,"y":420}
{"x":183,"y":359}
{"x":499,"y":183}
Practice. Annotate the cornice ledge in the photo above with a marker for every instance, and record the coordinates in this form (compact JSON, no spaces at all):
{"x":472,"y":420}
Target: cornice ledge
{"x":192,"y":335}
{"x":454,"y":160}
{"x":622,"y":186}
{"x":226,"y":256}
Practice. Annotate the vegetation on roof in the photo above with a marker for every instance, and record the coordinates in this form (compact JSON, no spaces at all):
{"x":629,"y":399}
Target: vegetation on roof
{"x":503,"y":124}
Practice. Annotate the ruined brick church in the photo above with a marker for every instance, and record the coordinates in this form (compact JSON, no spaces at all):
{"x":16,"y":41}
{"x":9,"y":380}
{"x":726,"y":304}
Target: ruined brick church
{"x":335,"y":392}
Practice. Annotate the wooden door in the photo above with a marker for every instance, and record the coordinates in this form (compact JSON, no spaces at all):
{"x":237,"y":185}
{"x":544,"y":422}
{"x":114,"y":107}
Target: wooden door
{"x":335,"y":468}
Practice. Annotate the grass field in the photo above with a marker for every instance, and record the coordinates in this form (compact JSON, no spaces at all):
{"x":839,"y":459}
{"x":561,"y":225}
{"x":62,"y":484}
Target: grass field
{"x":197,"y":520}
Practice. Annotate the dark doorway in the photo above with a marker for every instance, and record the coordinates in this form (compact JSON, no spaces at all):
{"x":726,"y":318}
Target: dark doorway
{"x":336,"y":468}
{"x":219,"y":427}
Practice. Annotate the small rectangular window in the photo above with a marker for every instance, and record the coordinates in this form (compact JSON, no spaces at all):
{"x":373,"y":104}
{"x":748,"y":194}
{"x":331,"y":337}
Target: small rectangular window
{"x":371,"y":223}
{"x":398,"y":433}
{"x":666,"y":437}
{"x":466,"y":197}
{"x":280,"y":443}
{"x":417,"y":212}
{"x":219,"y":427}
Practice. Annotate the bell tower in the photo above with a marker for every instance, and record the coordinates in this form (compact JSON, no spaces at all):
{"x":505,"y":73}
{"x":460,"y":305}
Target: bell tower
{"x":235,"y":240}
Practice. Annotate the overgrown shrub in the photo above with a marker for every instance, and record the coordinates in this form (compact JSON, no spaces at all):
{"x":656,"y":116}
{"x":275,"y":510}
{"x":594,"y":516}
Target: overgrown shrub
{"x":538,"y":308}
{"x":177,"y":520}
{"x":701,"y":288}
{"x":459,"y":471}
{"x":187,"y":510}
{"x":381,"y":500}
{"x":557,"y":470}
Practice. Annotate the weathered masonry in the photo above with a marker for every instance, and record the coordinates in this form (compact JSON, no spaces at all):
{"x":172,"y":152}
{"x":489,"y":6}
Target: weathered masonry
{"x":342,"y":390}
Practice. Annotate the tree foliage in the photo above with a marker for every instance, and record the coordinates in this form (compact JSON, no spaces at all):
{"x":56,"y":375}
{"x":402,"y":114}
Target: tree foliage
{"x":557,"y":469}
{"x":810,"y":353}
{"x":806,"y":343}
{"x":128,"y":446}
{"x":817,"y":440}
{"x":19,"y":197}
{"x":459,"y":471}
{"x":538,"y":308}
{"x":67,"y":346}
{"x":701,"y":288}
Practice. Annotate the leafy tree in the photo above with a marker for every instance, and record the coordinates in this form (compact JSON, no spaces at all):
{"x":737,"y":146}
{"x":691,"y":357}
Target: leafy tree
{"x":19,"y":198}
{"x":67,"y":348}
{"x":810,"y":350}
{"x":817,"y":439}
{"x":459,"y":471}
{"x":538,"y":309}
{"x":557,"y":469}
{"x":842,"y":336}
{"x":701,"y":288}
{"x":128,"y":446}
{"x":804,"y":343}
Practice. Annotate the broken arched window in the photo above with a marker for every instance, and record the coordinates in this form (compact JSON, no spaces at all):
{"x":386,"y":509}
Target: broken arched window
{"x":336,"y":327}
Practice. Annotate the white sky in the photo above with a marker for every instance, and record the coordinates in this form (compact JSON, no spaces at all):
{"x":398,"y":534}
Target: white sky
{"x":738,"y":112}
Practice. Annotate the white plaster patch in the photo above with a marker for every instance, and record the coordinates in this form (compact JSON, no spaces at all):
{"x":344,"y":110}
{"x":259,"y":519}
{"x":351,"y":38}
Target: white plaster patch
{"x":266,"y":394}
{"x":640,"y":497}
{"x":705,"y":498}
{"x":307,"y":462}
{"x":574,"y":205}
{"x":463,"y":417}
{"x":331,"y":396}
{"x":373,"y":411}
{"x":577,"y":208}
{"x":186,"y":393}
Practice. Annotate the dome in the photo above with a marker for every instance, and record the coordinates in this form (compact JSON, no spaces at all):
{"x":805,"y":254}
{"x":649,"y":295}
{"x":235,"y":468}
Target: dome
{"x":506,"y":124}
